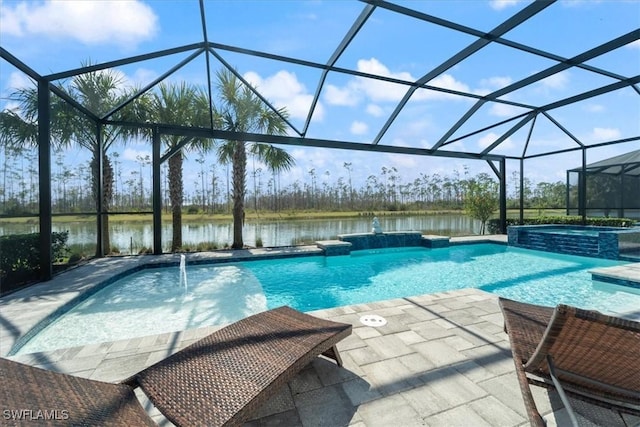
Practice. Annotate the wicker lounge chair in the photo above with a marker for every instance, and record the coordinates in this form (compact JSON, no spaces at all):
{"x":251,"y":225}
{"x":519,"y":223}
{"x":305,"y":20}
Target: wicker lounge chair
{"x":592,"y":360}
{"x":219,"y":380}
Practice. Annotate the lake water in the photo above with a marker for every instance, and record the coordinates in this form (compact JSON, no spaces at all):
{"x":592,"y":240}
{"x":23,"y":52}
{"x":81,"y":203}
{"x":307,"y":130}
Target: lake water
{"x":131,"y":237}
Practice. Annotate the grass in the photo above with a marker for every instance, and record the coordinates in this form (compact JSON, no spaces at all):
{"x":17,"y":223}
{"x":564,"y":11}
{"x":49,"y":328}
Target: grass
{"x":269,"y":216}
{"x":533,"y":213}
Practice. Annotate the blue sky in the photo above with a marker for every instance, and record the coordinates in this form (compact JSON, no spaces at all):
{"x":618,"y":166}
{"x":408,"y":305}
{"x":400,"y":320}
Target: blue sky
{"x":53,"y":36}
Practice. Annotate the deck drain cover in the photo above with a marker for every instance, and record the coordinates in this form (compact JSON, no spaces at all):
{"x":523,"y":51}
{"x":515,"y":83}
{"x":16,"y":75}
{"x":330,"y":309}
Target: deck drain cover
{"x":373,"y":320}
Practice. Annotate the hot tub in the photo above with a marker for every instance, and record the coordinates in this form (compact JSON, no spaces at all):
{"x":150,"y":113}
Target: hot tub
{"x":601,"y":242}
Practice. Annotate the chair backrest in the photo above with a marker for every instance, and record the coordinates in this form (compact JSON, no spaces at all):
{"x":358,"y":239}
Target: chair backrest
{"x":592,"y":353}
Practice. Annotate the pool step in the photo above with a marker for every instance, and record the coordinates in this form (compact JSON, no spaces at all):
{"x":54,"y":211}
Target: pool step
{"x":625,"y":275}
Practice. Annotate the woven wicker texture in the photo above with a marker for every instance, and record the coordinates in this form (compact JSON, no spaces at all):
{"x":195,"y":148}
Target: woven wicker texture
{"x":220,"y":380}
{"x":33,"y":396}
{"x":223,"y":378}
{"x":602,"y":348}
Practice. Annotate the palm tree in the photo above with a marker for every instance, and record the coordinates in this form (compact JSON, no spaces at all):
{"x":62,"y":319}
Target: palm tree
{"x":242,"y":111}
{"x":185,"y":105}
{"x":99,"y":92}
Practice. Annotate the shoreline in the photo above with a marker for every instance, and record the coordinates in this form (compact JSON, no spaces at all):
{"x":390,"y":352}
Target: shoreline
{"x":259,"y":216}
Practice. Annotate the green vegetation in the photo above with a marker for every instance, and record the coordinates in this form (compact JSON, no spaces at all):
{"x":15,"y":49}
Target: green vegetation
{"x":481,"y":200}
{"x":264,"y":215}
{"x":20,"y":257}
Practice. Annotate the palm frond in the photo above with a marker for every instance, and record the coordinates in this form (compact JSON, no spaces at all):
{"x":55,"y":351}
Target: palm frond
{"x":225,"y":151}
{"x":276,"y":159}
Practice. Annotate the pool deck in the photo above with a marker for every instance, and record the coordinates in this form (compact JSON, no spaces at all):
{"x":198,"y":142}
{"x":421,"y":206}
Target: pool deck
{"x":442,"y":359}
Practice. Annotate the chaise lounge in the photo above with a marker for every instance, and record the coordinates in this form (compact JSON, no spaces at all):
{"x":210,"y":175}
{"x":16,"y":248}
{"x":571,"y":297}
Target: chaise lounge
{"x":592,"y":360}
{"x":221,"y":379}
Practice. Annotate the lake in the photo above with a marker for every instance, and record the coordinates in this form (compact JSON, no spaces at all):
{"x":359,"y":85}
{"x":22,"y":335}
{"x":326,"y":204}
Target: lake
{"x":130,"y":237}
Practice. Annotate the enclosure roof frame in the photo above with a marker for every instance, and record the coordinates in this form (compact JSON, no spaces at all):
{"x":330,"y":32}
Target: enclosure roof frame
{"x":497,"y":36}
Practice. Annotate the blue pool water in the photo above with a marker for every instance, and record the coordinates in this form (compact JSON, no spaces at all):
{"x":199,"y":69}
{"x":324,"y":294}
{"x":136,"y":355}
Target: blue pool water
{"x":153,"y":301}
{"x":570,"y":231}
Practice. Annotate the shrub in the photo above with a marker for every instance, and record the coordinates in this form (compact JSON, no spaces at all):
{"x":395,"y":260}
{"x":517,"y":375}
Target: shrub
{"x":259,"y":243}
{"x":205,"y":246}
{"x":481,"y":201}
{"x":74,"y":258}
{"x":20,"y":257}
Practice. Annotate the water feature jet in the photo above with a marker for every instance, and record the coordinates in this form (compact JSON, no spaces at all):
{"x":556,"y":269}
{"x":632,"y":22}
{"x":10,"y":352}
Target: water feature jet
{"x":183,"y":272}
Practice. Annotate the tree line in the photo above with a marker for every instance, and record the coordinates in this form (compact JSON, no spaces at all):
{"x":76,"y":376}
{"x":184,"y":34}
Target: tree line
{"x":210,"y":191}
{"x":226,"y":184}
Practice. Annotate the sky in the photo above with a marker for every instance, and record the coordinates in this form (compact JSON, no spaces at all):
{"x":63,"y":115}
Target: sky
{"x":53,"y":36}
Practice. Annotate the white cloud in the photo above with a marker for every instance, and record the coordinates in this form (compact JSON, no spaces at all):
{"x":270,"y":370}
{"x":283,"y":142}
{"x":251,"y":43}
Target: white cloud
{"x":284,"y":90}
{"x":125,"y":22}
{"x":19,"y":80}
{"x":9,"y":19}
{"x":497,"y":82}
{"x":131,"y":154}
{"x":490,"y":138}
{"x":604,"y":134}
{"x":340,"y":96}
{"x":375,"y":110}
{"x":378,"y":90}
{"x":634,"y":44}
{"x":15,"y":82}
{"x":384,"y":91}
{"x":455,"y":146}
{"x":142,"y":77}
{"x":317,"y":157}
{"x":445,"y":81}
{"x":503,"y":4}
{"x":556,"y":81}
{"x":359,"y":128}
{"x":403,"y":162}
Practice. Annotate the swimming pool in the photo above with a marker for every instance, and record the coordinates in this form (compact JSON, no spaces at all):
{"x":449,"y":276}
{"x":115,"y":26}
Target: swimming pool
{"x":152,"y":301}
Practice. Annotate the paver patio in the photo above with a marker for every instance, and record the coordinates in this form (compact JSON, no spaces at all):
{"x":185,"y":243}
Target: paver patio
{"x":441,"y":360}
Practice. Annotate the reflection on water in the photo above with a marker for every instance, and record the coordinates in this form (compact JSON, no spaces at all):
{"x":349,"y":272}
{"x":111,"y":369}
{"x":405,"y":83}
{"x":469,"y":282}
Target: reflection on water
{"x":130,"y":237}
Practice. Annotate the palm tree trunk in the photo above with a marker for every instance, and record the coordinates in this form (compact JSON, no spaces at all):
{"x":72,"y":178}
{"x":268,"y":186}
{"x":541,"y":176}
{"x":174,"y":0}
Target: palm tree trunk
{"x":175,"y":194}
{"x":107,"y":193}
{"x":239,"y":189}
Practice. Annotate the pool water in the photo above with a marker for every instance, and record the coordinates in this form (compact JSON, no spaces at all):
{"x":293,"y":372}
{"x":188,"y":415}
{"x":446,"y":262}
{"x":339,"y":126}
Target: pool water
{"x":152,"y":301}
{"x":570,"y":231}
